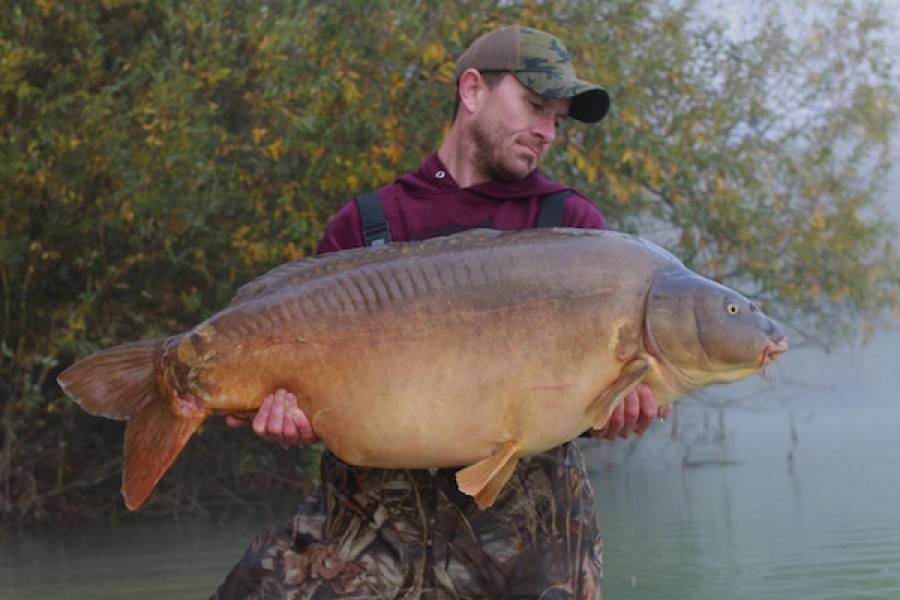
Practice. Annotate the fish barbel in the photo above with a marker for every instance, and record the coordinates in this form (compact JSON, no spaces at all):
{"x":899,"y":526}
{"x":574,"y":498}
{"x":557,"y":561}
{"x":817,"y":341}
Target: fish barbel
{"x":469,"y":351}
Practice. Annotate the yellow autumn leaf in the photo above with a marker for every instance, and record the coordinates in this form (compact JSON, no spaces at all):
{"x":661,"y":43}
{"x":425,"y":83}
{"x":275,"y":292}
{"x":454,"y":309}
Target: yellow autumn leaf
{"x":351,"y":93}
{"x":719,"y":185}
{"x":628,"y":115}
{"x":276,"y":149}
{"x":434,"y":53}
{"x":258,"y":134}
{"x":817,"y":221}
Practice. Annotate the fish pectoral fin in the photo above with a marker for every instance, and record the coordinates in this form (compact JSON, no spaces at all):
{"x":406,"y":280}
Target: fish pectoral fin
{"x":486,"y":478}
{"x":154,"y":437}
{"x":601,"y":408}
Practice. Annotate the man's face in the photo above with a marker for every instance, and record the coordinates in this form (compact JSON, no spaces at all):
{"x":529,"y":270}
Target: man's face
{"x":513,"y":130}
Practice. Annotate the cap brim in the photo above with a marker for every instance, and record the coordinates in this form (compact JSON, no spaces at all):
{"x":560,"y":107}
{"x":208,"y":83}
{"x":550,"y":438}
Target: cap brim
{"x":590,"y":102}
{"x":590,"y":106}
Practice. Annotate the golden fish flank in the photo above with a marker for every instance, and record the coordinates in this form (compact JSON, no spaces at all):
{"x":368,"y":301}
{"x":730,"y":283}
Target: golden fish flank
{"x":443,"y":353}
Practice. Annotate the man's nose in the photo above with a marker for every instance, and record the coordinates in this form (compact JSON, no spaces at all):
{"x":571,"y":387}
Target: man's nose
{"x":545,"y":128}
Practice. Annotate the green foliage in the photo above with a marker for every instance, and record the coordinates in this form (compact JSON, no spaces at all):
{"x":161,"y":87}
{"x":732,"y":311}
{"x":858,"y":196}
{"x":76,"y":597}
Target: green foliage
{"x":156,"y":155}
{"x":756,"y":152}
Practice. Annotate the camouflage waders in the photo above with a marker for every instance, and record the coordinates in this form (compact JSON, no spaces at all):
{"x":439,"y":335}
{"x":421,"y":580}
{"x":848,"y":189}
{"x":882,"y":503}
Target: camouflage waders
{"x":374,"y":533}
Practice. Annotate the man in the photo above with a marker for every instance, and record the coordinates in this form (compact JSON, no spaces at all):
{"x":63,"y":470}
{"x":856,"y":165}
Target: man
{"x":405,"y":533}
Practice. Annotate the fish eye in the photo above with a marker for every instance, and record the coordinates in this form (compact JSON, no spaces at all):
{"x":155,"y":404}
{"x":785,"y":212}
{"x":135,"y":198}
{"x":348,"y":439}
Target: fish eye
{"x":732,"y":309}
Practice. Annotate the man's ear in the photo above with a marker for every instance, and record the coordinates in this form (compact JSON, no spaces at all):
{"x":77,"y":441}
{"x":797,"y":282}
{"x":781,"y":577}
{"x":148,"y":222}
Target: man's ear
{"x":471,"y":90}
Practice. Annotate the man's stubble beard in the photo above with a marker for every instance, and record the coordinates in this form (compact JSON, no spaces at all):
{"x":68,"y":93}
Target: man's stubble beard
{"x":489,"y":156}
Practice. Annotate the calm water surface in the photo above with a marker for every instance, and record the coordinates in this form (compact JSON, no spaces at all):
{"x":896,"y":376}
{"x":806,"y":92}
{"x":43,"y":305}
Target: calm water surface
{"x":743,"y":526}
{"x":827,"y":527}
{"x":828,"y":530}
{"x":135,"y":560}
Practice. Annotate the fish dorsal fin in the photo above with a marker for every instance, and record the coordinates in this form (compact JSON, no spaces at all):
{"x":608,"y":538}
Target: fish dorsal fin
{"x":154,"y":438}
{"x":305,"y":269}
{"x":601,"y":408}
{"x":486,"y":478}
{"x":313,"y":267}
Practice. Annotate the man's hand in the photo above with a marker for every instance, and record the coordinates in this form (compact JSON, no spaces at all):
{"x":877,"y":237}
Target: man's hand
{"x":634,"y":414}
{"x":279,"y":420}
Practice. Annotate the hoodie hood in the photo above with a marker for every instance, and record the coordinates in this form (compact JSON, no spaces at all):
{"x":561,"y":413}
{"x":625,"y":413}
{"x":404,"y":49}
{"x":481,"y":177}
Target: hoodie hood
{"x":433,"y":178}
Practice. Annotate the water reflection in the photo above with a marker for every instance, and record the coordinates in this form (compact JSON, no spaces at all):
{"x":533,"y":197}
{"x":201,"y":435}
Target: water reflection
{"x":746,"y":532}
{"x":135,"y":559}
{"x":825,"y":526}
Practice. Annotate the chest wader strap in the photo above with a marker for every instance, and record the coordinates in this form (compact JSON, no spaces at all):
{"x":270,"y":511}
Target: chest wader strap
{"x":552,"y":209}
{"x":375,"y":229}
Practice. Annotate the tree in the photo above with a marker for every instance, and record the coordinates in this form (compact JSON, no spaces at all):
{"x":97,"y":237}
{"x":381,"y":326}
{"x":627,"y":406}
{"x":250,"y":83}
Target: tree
{"x":156,"y":155}
{"x":760,"y":158}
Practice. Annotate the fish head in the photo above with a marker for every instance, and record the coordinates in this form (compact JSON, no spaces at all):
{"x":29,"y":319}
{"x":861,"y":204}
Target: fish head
{"x":701,"y":332}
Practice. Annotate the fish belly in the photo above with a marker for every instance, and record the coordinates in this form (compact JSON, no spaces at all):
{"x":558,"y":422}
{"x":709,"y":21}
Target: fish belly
{"x":438,"y":391}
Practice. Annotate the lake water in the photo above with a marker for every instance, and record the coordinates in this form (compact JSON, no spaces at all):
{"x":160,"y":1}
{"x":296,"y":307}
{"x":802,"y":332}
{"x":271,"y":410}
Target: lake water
{"x":743,"y":523}
{"x":825,"y":525}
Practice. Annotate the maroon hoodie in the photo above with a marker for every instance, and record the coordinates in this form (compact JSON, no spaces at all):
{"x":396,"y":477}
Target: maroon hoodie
{"x":427,"y":202}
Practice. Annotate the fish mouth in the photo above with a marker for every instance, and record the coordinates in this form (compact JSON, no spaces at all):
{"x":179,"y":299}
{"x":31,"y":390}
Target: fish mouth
{"x":772,"y":350}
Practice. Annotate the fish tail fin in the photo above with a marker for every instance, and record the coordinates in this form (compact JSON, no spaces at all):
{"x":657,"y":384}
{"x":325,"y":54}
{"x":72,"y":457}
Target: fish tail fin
{"x":121,"y":383}
{"x":486,"y":478}
{"x":154,"y":438}
{"x":114,"y":383}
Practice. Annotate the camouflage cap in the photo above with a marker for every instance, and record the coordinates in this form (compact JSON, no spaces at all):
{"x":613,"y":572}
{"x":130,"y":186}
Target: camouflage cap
{"x":541,"y":62}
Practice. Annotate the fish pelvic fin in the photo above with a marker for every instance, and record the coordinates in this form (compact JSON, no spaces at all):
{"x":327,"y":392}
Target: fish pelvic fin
{"x":154,"y":438}
{"x":485,"y":478}
{"x":115,"y":383}
{"x":599,"y":411}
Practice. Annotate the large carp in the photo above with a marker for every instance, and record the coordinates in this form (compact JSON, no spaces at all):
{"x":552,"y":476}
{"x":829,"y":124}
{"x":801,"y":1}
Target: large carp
{"x":471,"y":351}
